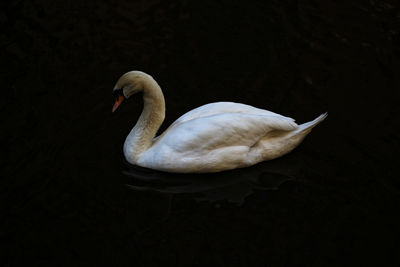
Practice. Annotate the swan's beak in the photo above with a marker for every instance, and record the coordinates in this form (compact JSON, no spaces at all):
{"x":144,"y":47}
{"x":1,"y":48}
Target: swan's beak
{"x":117,"y":102}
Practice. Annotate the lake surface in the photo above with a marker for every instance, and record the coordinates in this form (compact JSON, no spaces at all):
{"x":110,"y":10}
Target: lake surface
{"x":68,"y":197}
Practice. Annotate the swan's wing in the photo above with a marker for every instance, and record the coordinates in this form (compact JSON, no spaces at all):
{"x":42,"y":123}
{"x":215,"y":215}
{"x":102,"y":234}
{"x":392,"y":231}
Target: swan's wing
{"x":224,"y":107}
{"x":222,"y":130}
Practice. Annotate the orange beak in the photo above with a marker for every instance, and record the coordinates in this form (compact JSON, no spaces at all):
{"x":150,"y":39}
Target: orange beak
{"x":118,"y":102}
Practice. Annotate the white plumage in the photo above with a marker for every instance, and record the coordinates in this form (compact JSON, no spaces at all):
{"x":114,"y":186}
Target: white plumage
{"x":211,"y":138}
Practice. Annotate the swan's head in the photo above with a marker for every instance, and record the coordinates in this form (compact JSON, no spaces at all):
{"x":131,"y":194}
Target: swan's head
{"x":130,"y":83}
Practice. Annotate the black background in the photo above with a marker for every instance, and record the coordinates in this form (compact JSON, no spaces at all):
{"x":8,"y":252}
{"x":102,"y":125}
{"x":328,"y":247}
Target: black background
{"x":63,"y":196}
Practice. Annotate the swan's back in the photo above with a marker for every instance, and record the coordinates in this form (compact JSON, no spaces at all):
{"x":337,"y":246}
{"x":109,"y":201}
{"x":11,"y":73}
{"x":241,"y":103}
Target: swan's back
{"x":225,"y":107}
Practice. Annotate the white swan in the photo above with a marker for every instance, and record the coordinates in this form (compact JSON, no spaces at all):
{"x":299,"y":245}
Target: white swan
{"x":211,"y":138}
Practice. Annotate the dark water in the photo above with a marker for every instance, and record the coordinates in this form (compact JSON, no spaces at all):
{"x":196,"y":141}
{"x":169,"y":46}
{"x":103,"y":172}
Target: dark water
{"x":64,"y":194}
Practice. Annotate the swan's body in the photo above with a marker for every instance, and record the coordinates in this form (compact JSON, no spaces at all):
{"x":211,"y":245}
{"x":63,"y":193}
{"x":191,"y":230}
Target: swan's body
{"x":211,"y":138}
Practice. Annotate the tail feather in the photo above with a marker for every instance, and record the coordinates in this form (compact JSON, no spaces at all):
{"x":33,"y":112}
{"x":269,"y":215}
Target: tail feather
{"x":311,"y":124}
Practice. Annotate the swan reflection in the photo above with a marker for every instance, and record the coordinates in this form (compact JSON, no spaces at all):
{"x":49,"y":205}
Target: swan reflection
{"x":233,"y":186}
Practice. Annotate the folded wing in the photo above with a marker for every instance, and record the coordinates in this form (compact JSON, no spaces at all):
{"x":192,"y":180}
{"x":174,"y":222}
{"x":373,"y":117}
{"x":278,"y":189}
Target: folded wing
{"x":207,"y":133}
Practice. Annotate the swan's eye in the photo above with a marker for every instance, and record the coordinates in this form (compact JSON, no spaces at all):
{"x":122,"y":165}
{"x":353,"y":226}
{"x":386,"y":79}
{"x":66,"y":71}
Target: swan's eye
{"x":118,"y":92}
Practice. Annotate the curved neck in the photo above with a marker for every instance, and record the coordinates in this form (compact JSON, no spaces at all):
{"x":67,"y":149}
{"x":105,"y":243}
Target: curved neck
{"x":141,"y":136}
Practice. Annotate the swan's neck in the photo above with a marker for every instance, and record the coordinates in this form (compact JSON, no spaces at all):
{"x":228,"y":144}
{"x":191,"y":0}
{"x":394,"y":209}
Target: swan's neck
{"x":141,"y":136}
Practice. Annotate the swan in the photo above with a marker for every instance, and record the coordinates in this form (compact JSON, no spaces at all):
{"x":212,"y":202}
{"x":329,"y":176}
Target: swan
{"x":211,"y":138}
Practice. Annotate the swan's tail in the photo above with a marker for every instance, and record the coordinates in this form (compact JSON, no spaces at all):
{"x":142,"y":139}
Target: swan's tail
{"x":307,"y":127}
{"x":271,"y":147}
